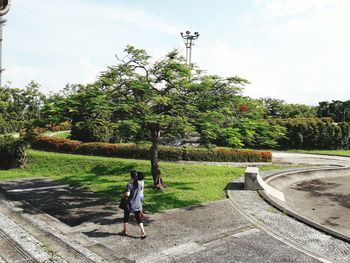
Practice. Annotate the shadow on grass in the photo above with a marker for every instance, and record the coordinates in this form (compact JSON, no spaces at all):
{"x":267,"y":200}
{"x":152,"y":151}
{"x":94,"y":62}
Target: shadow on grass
{"x":182,"y":186}
{"x":102,"y":169}
{"x":112,"y":190}
{"x":158,"y":201}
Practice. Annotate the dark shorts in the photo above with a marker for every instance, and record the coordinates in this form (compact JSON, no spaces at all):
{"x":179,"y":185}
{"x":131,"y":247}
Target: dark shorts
{"x":137,"y":216}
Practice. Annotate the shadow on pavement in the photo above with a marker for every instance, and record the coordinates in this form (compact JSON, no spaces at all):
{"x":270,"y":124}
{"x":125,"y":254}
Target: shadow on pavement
{"x":235,"y":186}
{"x":71,"y":205}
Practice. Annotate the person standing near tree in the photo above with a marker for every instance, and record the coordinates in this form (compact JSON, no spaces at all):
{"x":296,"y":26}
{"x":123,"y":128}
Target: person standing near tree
{"x":133,"y":193}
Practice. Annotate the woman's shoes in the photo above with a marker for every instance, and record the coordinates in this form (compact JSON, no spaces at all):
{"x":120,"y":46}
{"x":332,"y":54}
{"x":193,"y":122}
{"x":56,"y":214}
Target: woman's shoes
{"x":143,"y":237}
{"x":123,"y":233}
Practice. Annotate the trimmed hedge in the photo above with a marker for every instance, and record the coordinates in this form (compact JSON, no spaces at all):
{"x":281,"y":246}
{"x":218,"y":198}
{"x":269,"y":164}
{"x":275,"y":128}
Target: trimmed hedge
{"x":313,"y":133}
{"x":135,"y":151}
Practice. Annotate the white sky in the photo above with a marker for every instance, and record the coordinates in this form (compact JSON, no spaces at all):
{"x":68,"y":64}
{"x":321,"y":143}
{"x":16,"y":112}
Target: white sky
{"x":295,"y":50}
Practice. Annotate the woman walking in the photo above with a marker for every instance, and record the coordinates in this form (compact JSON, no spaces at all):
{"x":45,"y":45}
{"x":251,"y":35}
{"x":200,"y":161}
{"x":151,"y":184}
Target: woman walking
{"x":133,"y":193}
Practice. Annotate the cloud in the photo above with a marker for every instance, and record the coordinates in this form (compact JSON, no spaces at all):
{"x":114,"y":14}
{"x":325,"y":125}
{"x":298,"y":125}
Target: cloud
{"x":63,"y":41}
{"x":283,"y":8}
{"x":84,"y":13}
{"x":53,"y":78}
{"x":295,"y":50}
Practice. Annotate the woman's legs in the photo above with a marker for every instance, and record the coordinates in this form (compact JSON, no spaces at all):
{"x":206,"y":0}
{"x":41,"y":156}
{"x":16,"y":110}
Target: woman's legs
{"x":126,"y":220}
{"x":139,"y":221}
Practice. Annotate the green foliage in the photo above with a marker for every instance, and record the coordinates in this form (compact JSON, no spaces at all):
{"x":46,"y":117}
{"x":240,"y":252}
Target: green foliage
{"x":313,"y":133}
{"x":248,"y":128}
{"x":12,"y":153}
{"x":92,"y":131}
{"x":338,"y":110}
{"x":128,"y":131}
{"x":275,"y":108}
{"x":165,"y":97}
{"x":265,"y":135}
{"x":19,"y":107}
{"x":8,"y":126}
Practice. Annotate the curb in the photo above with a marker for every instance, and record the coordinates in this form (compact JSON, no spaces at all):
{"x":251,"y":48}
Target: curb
{"x":235,"y":205}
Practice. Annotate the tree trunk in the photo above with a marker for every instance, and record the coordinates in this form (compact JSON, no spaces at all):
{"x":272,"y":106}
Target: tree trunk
{"x":157,"y":178}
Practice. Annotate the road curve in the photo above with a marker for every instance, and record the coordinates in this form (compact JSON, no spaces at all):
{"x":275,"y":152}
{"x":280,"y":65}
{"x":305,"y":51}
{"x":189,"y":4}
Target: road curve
{"x":309,"y":159}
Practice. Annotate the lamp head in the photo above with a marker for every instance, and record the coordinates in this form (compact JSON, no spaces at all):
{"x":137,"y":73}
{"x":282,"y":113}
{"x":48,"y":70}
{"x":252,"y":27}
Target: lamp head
{"x":4,"y":7}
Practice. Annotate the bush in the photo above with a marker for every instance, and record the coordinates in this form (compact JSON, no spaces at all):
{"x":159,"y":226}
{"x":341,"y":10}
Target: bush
{"x":226,"y":155}
{"x":170,"y":153}
{"x":30,"y":134}
{"x":9,"y":126}
{"x":56,"y":144}
{"x":12,"y":153}
{"x":92,"y":131}
{"x":135,"y":151}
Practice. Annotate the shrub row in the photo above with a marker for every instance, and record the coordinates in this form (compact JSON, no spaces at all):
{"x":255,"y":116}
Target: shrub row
{"x":135,"y":151}
{"x":12,"y":152}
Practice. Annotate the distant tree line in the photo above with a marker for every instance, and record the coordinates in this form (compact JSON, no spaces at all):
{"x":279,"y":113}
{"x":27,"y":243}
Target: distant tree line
{"x":338,"y":110}
{"x":20,"y":107}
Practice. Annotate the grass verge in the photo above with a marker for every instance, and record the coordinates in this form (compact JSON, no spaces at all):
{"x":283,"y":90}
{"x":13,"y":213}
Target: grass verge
{"x":188,"y":184}
{"x":332,"y":152}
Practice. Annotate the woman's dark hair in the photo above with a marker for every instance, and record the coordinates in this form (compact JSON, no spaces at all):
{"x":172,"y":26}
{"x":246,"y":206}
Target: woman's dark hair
{"x":140,"y":176}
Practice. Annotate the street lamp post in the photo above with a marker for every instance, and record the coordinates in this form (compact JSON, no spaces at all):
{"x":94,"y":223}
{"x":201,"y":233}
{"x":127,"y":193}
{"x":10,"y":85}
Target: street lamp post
{"x":4,"y":8}
{"x":189,"y":43}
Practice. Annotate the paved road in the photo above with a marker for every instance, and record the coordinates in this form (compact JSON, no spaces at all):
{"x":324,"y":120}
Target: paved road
{"x":319,"y":196}
{"x":309,"y":159}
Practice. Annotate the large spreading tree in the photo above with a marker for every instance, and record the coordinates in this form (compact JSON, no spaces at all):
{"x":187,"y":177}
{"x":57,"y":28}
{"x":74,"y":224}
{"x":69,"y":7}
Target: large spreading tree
{"x":165,"y":97}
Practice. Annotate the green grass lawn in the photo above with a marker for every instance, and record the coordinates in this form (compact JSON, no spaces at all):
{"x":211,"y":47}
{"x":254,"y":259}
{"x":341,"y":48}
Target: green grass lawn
{"x":187,"y":184}
{"x":336,"y":152}
{"x":64,"y":135}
